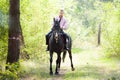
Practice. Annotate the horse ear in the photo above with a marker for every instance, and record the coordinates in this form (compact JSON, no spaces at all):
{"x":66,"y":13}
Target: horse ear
{"x":53,"y":19}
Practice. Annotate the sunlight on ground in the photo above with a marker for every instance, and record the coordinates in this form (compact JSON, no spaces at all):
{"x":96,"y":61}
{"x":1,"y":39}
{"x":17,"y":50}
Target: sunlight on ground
{"x":89,"y":64}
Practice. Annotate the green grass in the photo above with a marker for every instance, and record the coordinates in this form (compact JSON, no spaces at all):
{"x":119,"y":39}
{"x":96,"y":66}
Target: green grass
{"x":76,"y":50}
{"x":33,"y":70}
{"x":91,"y":72}
{"x":90,"y":64}
{"x":93,"y":65}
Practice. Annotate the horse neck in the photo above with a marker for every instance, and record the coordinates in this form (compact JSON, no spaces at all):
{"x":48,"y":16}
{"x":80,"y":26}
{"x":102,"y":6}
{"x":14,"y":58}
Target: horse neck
{"x":52,"y":38}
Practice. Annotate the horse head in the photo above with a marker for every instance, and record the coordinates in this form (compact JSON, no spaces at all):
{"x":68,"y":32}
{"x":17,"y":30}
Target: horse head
{"x":56,"y":29}
{"x":56,"y":25}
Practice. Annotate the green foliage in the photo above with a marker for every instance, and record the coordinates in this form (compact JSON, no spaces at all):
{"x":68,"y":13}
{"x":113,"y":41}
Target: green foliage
{"x":112,"y":43}
{"x":13,"y":72}
{"x":35,"y":22}
{"x":4,"y":6}
{"x":8,"y":75}
{"x":83,"y":16}
{"x":3,"y":29}
{"x":111,"y":30}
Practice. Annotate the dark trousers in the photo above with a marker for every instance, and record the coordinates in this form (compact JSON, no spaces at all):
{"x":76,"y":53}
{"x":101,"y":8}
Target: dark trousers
{"x":48,"y":36}
{"x":66,"y":37}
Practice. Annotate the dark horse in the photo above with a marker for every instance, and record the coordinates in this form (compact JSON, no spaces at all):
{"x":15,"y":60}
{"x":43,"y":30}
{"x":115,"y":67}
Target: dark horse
{"x":56,"y":44}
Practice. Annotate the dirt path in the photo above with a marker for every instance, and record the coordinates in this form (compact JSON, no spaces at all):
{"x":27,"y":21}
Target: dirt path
{"x":79,"y":59}
{"x":90,"y":64}
{"x":60,"y":76}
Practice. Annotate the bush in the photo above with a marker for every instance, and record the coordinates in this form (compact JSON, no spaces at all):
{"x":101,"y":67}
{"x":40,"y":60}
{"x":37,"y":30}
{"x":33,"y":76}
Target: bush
{"x":13,"y":72}
{"x":112,"y":35}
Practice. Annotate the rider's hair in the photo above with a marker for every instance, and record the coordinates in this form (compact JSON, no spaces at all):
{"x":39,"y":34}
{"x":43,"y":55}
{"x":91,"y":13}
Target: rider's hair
{"x":61,"y":10}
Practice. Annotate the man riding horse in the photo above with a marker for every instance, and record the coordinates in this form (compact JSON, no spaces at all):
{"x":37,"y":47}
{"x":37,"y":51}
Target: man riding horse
{"x":63,"y":26}
{"x":59,"y":42}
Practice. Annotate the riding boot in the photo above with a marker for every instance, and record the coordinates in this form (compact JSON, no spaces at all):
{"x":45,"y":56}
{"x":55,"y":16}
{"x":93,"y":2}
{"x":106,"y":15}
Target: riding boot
{"x":64,"y":39}
{"x":67,"y":44}
{"x":47,"y":48}
{"x":46,"y":40}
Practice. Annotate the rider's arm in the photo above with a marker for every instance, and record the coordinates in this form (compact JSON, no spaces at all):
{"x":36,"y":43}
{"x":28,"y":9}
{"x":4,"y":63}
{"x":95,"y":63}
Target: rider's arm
{"x":64,"y":25}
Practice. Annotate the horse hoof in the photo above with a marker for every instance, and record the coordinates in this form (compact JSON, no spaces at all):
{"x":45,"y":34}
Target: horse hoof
{"x":58,"y":69}
{"x":73,"y":69}
{"x":56,"y":73}
{"x":51,"y":73}
{"x":63,"y":61}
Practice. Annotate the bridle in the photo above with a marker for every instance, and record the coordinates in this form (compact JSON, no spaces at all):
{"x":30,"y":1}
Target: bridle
{"x":56,"y":29}
{"x":56,"y":37}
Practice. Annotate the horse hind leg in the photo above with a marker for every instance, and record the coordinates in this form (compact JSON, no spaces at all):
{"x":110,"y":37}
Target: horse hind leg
{"x":64,"y":55}
{"x":70,"y":56}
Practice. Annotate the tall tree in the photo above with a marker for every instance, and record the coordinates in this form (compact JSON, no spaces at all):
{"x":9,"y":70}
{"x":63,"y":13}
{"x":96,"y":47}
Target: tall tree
{"x":14,"y":32}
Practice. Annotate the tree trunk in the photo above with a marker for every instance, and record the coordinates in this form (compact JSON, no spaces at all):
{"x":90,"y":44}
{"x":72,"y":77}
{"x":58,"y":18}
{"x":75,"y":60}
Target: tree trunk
{"x":99,"y":34}
{"x":14,"y":32}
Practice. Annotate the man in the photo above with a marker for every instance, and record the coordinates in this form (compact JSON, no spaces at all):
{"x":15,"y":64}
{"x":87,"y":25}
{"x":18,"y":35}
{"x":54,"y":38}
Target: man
{"x":63,"y":26}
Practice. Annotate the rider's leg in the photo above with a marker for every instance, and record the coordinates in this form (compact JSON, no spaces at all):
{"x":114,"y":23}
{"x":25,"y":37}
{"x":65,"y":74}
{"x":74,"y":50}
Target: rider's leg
{"x":47,"y":40}
{"x":67,"y":41}
{"x":66,"y":37}
{"x":46,"y":37}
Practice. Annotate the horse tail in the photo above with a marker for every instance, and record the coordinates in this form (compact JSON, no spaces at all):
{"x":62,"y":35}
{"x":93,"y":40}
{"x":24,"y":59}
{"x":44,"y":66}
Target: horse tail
{"x":64,"y":55}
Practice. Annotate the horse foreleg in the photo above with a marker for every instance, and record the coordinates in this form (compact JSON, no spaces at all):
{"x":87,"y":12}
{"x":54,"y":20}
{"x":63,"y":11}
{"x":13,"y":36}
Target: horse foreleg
{"x":70,"y":56}
{"x":58,"y":61}
{"x":51,"y":56}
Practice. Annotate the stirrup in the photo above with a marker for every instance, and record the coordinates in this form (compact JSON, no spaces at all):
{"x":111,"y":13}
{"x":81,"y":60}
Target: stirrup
{"x":47,"y":48}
